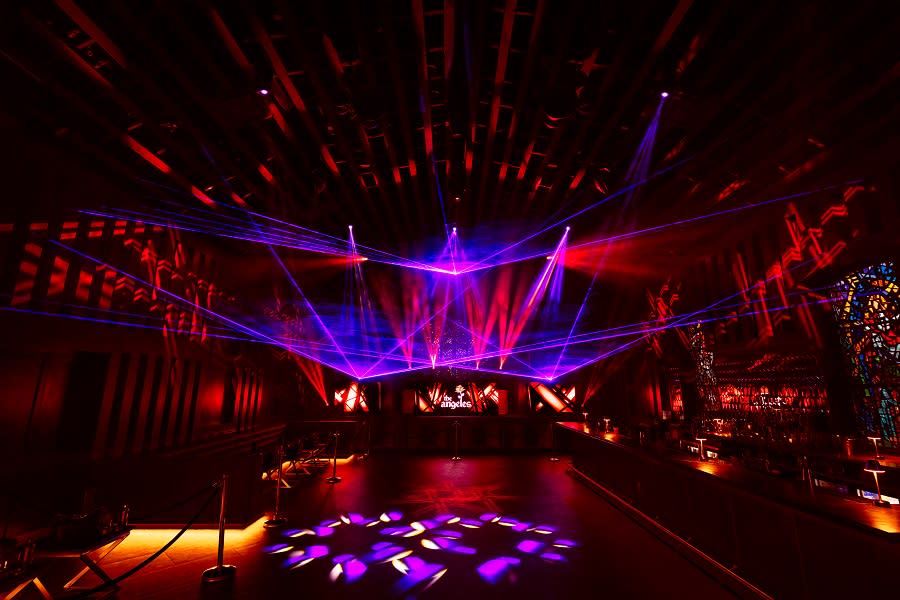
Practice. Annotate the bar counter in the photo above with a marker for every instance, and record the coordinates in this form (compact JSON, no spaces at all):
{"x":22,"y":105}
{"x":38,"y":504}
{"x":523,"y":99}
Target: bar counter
{"x":773,"y":532}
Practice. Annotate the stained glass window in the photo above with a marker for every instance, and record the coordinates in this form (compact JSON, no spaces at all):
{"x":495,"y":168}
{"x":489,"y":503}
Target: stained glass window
{"x":706,"y":376}
{"x":867,"y":308}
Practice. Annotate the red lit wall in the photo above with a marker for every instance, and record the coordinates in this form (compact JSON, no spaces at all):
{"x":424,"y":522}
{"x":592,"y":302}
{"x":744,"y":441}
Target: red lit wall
{"x":146,"y":400}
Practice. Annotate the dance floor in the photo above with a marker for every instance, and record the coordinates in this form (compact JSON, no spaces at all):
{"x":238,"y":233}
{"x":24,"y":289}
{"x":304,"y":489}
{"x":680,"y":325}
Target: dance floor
{"x":427,"y":527}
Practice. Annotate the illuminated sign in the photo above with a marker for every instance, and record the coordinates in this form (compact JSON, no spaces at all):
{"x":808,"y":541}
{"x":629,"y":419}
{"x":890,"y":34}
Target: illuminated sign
{"x":459,"y":400}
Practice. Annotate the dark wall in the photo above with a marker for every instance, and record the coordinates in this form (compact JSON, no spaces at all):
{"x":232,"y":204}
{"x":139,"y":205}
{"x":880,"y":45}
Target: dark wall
{"x":630,"y":392}
{"x":94,"y":390}
{"x":167,"y":375}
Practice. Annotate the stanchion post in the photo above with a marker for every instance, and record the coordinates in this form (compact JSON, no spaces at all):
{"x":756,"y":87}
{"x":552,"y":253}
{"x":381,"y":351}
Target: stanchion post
{"x":702,"y":453}
{"x":456,"y":455}
{"x":368,"y":427}
{"x":277,"y":519}
{"x":807,"y":474}
{"x":334,"y":478}
{"x":221,"y":572}
{"x":553,"y":456}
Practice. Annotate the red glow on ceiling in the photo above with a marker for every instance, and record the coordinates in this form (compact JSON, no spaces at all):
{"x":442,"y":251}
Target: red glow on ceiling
{"x":202,"y":197}
{"x":69,"y":230}
{"x":329,"y":161}
{"x":525,"y":158}
{"x":147,"y":155}
{"x":279,"y":118}
{"x":577,"y":179}
{"x":266,"y":174}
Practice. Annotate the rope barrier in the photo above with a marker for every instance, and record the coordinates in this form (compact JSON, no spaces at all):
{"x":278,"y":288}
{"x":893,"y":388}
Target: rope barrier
{"x":175,"y":505}
{"x":116,"y":580}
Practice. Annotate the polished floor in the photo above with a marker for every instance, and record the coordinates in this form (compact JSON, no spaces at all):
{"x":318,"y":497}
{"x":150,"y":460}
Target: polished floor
{"x":427,"y":527}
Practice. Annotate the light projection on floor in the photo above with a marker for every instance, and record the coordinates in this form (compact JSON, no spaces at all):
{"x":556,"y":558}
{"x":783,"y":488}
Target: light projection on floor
{"x":418,"y":553}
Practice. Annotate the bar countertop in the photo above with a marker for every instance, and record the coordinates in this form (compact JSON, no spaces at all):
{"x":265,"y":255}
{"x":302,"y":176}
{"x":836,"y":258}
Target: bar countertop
{"x":863,"y":514}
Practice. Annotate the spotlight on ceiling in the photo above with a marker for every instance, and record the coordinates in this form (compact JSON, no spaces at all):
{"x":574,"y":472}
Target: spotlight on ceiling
{"x":568,"y":228}
{"x":454,"y":230}
{"x":262,"y":92}
{"x":351,"y":227}
{"x":665,"y":94}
